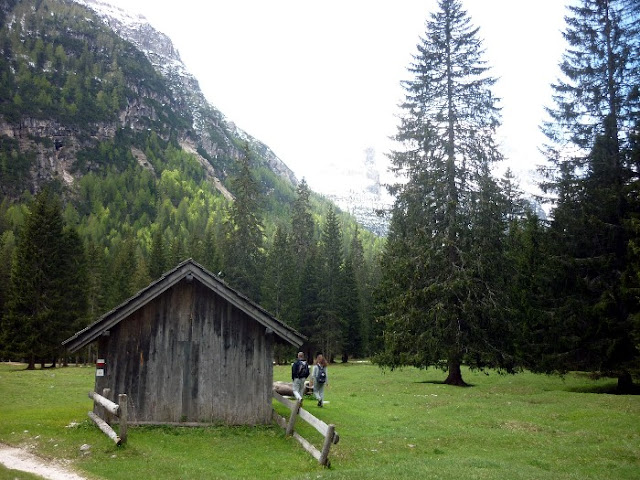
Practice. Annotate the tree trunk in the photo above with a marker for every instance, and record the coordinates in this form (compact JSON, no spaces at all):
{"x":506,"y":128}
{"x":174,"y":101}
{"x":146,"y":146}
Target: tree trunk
{"x":32,"y":363}
{"x":345,"y":357}
{"x":455,"y":375}
{"x":625,"y":384}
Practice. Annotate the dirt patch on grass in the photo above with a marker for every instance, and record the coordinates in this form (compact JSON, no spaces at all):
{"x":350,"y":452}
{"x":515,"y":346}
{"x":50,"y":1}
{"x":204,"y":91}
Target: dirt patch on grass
{"x":18,"y":459}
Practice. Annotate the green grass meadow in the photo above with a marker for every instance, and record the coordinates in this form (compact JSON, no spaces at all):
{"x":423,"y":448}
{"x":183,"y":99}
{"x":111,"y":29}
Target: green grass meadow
{"x":403,"y":424}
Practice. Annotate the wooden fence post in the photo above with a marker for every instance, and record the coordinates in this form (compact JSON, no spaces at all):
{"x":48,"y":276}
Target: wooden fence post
{"x":104,"y":426}
{"x":122,"y":414}
{"x":328,"y":440}
{"x":328,"y":432}
{"x":292,"y":419}
{"x":106,"y":393}
{"x":111,"y":410}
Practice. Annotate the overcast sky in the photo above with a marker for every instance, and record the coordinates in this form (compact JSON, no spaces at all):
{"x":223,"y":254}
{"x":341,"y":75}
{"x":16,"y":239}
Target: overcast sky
{"x":319,"y":82}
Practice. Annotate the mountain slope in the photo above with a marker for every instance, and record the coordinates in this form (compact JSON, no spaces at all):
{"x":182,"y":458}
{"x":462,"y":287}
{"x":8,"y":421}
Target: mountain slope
{"x":101,"y":107}
{"x":69,"y":82}
{"x":213,"y":132}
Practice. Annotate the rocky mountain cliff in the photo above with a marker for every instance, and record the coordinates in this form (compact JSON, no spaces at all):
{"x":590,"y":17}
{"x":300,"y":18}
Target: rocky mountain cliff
{"x":211,"y":127}
{"x":82,"y":79}
{"x":69,"y":84}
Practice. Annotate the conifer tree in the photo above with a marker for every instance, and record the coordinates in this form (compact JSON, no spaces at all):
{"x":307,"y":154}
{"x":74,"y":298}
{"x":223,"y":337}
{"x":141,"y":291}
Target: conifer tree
{"x":516,"y":206}
{"x":157,"y":256}
{"x":278,"y":291}
{"x":141,"y":278}
{"x":7,"y":248}
{"x":302,"y":225}
{"x":330,"y":325}
{"x":362,"y":326}
{"x":177,"y":251}
{"x":210,"y":255}
{"x":529,"y":271}
{"x":350,"y":311}
{"x":312,"y":305}
{"x":97,"y":298}
{"x":433,"y":276}
{"x":597,"y":106}
{"x":73,"y":280}
{"x":47,"y":300}
{"x":303,"y":255}
{"x":122,"y":274}
{"x":243,"y":257}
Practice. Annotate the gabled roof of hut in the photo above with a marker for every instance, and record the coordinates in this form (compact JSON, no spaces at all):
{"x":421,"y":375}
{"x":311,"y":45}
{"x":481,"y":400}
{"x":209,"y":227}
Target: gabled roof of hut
{"x":190,"y":271}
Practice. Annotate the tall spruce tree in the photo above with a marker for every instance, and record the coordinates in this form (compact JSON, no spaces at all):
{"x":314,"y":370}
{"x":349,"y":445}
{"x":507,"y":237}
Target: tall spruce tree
{"x":278,"y":291}
{"x":211,"y":255}
{"x":597,"y":107}
{"x":365,"y":305}
{"x":157,"y":256}
{"x":302,"y":246}
{"x":302,"y":224}
{"x":516,"y":207}
{"x":47,"y":301}
{"x":350,"y":311}
{"x":97,"y":297}
{"x":433,"y":275}
{"x":312,"y":302}
{"x":243,"y":256}
{"x":631,"y":279}
{"x":74,"y":279}
{"x":122,"y":274}
{"x":331,"y":323}
{"x":7,"y":248}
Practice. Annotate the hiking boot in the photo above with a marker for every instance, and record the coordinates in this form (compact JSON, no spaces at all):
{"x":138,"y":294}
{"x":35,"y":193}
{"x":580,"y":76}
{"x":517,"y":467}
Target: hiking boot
{"x":320,"y":403}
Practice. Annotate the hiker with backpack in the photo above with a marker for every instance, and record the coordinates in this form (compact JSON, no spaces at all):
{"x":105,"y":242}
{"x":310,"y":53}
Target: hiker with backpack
{"x":299,"y":373}
{"x":319,"y":378}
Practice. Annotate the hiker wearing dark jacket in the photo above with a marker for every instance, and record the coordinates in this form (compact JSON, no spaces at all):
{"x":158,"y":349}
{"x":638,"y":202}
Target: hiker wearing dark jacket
{"x":299,"y":373}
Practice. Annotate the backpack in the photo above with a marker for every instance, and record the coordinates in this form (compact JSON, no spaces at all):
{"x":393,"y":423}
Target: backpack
{"x":303,"y":370}
{"x":322,"y":375}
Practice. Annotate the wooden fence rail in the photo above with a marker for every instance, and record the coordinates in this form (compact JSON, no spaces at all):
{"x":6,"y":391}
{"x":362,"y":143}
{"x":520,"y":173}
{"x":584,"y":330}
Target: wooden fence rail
{"x":327,"y":431}
{"x":111,"y":409}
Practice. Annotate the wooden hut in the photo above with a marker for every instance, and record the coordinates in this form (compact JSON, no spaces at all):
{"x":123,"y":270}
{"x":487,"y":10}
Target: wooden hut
{"x":188,"y":348}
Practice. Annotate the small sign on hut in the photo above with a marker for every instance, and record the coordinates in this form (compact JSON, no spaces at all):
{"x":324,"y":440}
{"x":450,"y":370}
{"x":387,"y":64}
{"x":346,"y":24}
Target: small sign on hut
{"x":188,"y":348}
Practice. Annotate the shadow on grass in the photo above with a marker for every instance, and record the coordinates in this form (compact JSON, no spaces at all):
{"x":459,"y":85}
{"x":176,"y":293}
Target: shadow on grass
{"x":441,"y":382}
{"x":611,"y":387}
{"x":608,"y":389}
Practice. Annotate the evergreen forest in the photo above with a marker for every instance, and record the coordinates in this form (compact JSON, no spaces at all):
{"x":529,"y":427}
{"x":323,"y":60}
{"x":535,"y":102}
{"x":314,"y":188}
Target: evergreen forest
{"x":468,"y":274}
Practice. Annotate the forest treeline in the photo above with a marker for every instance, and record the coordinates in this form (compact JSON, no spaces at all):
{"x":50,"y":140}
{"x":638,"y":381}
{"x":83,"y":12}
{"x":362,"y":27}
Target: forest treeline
{"x":311,"y":266}
{"x":468,"y":274}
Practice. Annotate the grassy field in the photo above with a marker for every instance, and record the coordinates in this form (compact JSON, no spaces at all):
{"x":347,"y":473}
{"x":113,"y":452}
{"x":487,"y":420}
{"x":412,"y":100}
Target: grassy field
{"x":402,"y":424}
{"x":9,"y":474}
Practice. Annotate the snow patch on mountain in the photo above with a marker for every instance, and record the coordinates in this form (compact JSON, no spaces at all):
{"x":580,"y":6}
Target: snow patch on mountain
{"x":361,"y":191}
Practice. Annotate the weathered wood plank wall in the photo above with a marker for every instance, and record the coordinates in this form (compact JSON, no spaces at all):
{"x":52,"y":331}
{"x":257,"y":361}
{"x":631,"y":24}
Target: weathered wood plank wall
{"x":189,"y":356}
